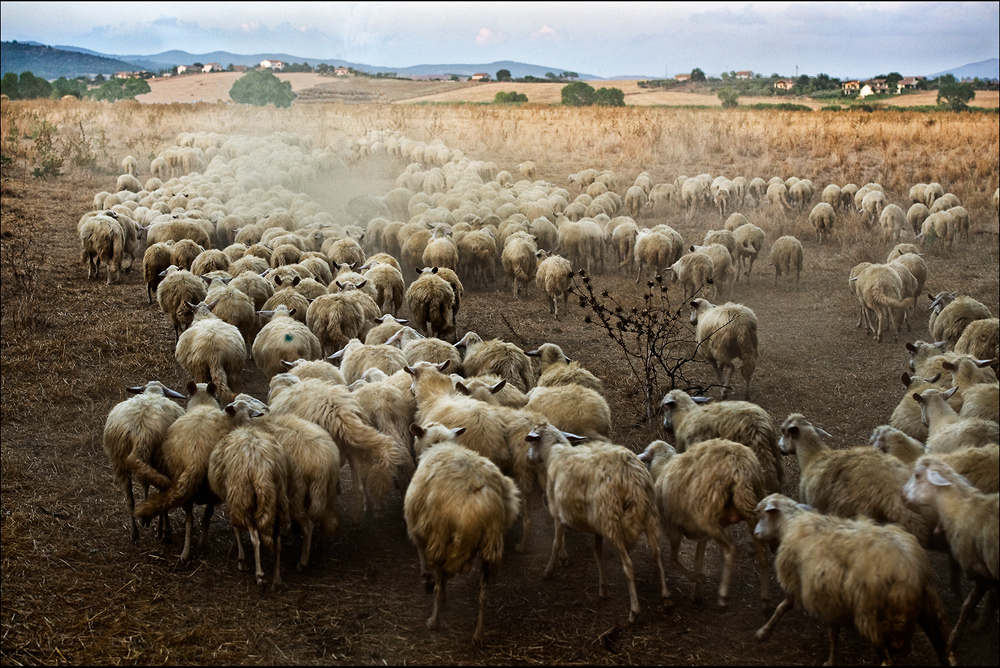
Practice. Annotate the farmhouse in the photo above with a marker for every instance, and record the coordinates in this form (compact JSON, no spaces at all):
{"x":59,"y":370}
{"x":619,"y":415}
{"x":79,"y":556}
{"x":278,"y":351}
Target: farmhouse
{"x":212,"y":67}
{"x":908,"y":83}
{"x":683,"y":78}
{"x":744,"y":74}
{"x":878,"y":85}
{"x":182,"y":69}
{"x":272,"y":65}
{"x":852,"y":87}
{"x":341,"y":71}
{"x":784,"y":84}
{"x":480,"y":76}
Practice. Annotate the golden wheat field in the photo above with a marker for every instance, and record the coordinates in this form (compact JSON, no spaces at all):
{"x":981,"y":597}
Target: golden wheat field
{"x":77,"y":590}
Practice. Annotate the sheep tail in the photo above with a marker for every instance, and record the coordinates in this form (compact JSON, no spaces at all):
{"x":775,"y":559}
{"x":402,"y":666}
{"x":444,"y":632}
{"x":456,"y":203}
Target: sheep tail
{"x":218,"y":374}
{"x":350,"y":431}
{"x":179,"y":491}
{"x":140,"y":468}
{"x":270,"y":504}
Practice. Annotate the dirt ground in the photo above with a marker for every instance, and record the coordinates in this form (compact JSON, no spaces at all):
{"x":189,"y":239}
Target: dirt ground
{"x":76,"y":590}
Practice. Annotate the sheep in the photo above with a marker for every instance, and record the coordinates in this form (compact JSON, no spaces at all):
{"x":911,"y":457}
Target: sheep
{"x":357,"y":357}
{"x":952,"y":313}
{"x":978,"y":465}
{"x":133,"y":433}
{"x":497,"y":357}
{"x":573,"y":408}
{"x":431,"y":300}
{"x":527,"y":169}
{"x":440,"y":250}
{"x":518,"y":260}
{"x":177,"y":229}
{"x":880,"y":290}
{"x":130,"y":166}
{"x":234,"y":307}
{"x":906,"y":417}
{"x":757,"y":188}
{"x":388,"y":405}
{"x":184,"y":252}
{"x":390,"y":289}
{"x":456,"y":287}
{"x":749,"y":241}
{"x":103,"y":240}
{"x":253,"y":285}
{"x":981,"y":339}
{"x":786,"y":256}
{"x":724,"y":273}
{"x":458,"y":504}
{"x":372,"y":456}
{"x":946,"y":202}
{"x":184,"y":457}
{"x":978,"y":399}
{"x":914,"y":263}
{"x":891,"y":220}
{"x":723,"y":335}
{"x":477,"y":254}
{"x":623,"y":239}
{"x":283,"y":339}
{"x":335,"y":319}
{"x":599,"y":488}
{"x":852,"y":571}
{"x":823,"y":217}
{"x":661,"y":192}
{"x":296,"y":303}
{"x":212,"y":350}
{"x":777,"y":194}
{"x":946,"y":429}
{"x":849,"y":482}
{"x":248,"y":469}
{"x":872,"y":205}
{"x":635,"y":200}
{"x":693,"y":271}
{"x":313,"y":475}
{"x":970,"y":521}
{"x":491,"y":390}
{"x":557,"y":369}
{"x":916,"y":215}
{"x":155,"y":260}
{"x":937,"y":227}
{"x":654,"y":250}
{"x":831,"y":195}
{"x":178,"y":288}
{"x":699,"y":494}
{"x":319,"y":369}
{"x":739,"y":421}
{"x":553,"y":277}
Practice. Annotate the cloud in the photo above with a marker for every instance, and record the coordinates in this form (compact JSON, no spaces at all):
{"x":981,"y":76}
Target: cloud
{"x":544,"y":32}
{"x":487,"y":36}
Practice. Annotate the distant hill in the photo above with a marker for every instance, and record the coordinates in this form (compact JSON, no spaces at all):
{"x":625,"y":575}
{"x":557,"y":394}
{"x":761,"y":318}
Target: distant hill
{"x":51,"y":63}
{"x":72,"y":61}
{"x":984,"y":69}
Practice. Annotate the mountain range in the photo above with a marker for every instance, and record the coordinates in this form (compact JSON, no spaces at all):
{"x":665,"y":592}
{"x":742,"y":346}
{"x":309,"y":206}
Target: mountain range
{"x":52,"y":62}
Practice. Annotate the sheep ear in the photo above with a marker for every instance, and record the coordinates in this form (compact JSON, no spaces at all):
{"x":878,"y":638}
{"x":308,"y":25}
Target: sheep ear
{"x":771,"y":506}
{"x":499,"y":386}
{"x":457,"y":431}
{"x":409,"y":370}
{"x":361,"y":284}
{"x":935,"y":478}
{"x":287,"y":364}
{"x":173,"y":394}
{"x":916,"y":397}
{"x":443,"y":365}
{"x":950,"y":393}
{"x":416,"y":429}
{"x":912,"y":348}
{"x":339,"y":286}
{"x":906,"y":379}
{"x":822,"y":432}
{"x":983,"y":363}
{"x":463,"y":389}
{"x":940,"y":344}
{"x":212,"y":306}
{"x":532,"y":353}
{"x":277,"y":280}
{"x":136,"y":390}
{"x":532,"y":436}
{"x":337,"y":355}
{"x":793,"y":431}
{"x":212,"y":389}
{"x":701,"y":400}
{"x":192,"y":387}
{"x":573,"y":438}
{"x":947,"y":366}
{"x":256,"y":413}
{"x":935,"y":378}
{"x":230,"y":410}
{"x":668,"y":401}
{"x":296,"y":281}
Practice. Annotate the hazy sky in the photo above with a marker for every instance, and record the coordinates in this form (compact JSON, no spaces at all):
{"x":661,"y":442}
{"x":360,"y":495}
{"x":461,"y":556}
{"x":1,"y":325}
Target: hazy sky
{"x":606,"y":39}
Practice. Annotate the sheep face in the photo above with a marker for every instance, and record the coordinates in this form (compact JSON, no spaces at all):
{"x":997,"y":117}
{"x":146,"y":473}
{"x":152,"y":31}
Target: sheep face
{"x":923,"y":485}
{"x":927,"y":398}
{"x":794,"y":428}
{"x":772,"y":512}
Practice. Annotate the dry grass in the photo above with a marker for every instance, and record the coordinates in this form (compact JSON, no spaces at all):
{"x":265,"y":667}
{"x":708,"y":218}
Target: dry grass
{"x":76,"y":591}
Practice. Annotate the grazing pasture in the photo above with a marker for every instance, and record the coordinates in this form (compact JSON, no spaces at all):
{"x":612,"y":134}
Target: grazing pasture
{"x":77,"y":590}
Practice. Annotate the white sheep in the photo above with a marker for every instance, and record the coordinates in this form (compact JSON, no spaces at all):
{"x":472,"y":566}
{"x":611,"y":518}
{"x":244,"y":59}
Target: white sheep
{"x":891,"y":220}
{"x":823,"y":218}
{"x":723,"y":335}
{"x":978,"y":399}
{"x":653,"y":250}
{"x":133,"y":434}
{"x":969,"y":520}
{"x":248,"y":470}
{"x":155,"y":260}
{"x":699,"y":494}
{"x":212,"y":350}
{"x":103,"y":240}
{"x":283,"y":339}
{"x":178,"y":288}
{"x":457,"y":505}
{"x":519,"y":260}
{"x":952,"y":313}
{"x":694,"y":419}
{"x":749,"y":242}
{"x":946,"y":429}
{"x":880,"y":291}
{"x":356,"y":358}
{"x":693,"y":271}
{"x":431,"y":300}
{"x":842,"y":571}
{"x":553,"y":277}
{"x":981,"y":339}
{"x":786,"y":257}
{"x":184,"y":456}
{"x":980,"y":466}
{"x":849,"y":482}
{"x":500,"y":358}
{"x":555,"y":368}
{"x":603,"y":489}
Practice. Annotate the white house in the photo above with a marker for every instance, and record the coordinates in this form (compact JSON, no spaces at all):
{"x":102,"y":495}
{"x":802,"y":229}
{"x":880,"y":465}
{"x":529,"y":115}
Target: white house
{"x":212,"y":67}
{"x":341,"y":71}
{"x":272,"y":65}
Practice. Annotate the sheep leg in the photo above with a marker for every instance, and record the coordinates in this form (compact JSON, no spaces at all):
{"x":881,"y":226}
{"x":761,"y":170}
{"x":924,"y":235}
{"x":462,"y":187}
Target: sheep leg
{"x":834,"y":639}
{"x":764,"y":632}
{"x":676,"y":563}
{"x":986,"y":616}
{"x":747,"y":369}
{"x":932,"y":621}
{"x":354,"y":460}
{"x":557,"y":547}
{"x":255,"y":541}
{"x":522,"y":545}
{"x":276,"y":580}
{"x":206,"y":517}
{"x":241,"y":557}
{"x":630,"y":576}
{"x":699,"y":561}
{"x":765,"y":581}
{"x":728,"y":561}
{"x":440,"y":580}
{"x":477,"y":637}
{"x":133,"y":526}
{"x":188,"y":528}
{"x":307,"y":528}
{"x":602,"y":580}
{"x":963,"y":617}
{"x":654,"y":547}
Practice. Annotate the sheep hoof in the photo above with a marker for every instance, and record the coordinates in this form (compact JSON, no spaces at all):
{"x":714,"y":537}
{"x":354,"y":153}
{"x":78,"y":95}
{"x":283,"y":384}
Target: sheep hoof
{"x":242,"y":567}
{"x":300,"y":567}
{"x":723,"y":603}
{"x":762,"y":634}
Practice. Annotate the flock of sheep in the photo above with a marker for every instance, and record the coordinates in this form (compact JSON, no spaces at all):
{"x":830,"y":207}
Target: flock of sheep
{"x":246,"y":265}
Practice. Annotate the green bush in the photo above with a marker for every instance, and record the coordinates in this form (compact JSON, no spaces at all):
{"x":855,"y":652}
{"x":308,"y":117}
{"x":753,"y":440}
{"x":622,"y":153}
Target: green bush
{"x":512,"y":97}
{"x":730,"y":98}
{"x":260,"y":88}
{"x":578,"y":94}
{"x":953,"y":96}
{"x":120,"y":89}
{"x":609,"y":97}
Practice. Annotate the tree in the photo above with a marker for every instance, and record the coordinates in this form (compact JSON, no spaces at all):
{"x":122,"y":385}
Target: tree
{"x":512,"y":97}
{"x":729,"y":97}
{"x":551,"y":76}
{"x":198,"y":65}
{"x":121,"y":89}
{"x":32,"y":87}
{"x":697,"y":74}
{"x":578,"y":94}
{"x":802,"y":81}
{"x":609,"y":97}
{"x":569,"y":75}
{"x":10,"y":86}
{"x":892,"y":79}
{"x":260,"y":88}
{"x":63,"y":86}
{"x":503,"y":75}
{"x":955,"y":96}
{"x":454,"y":77}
